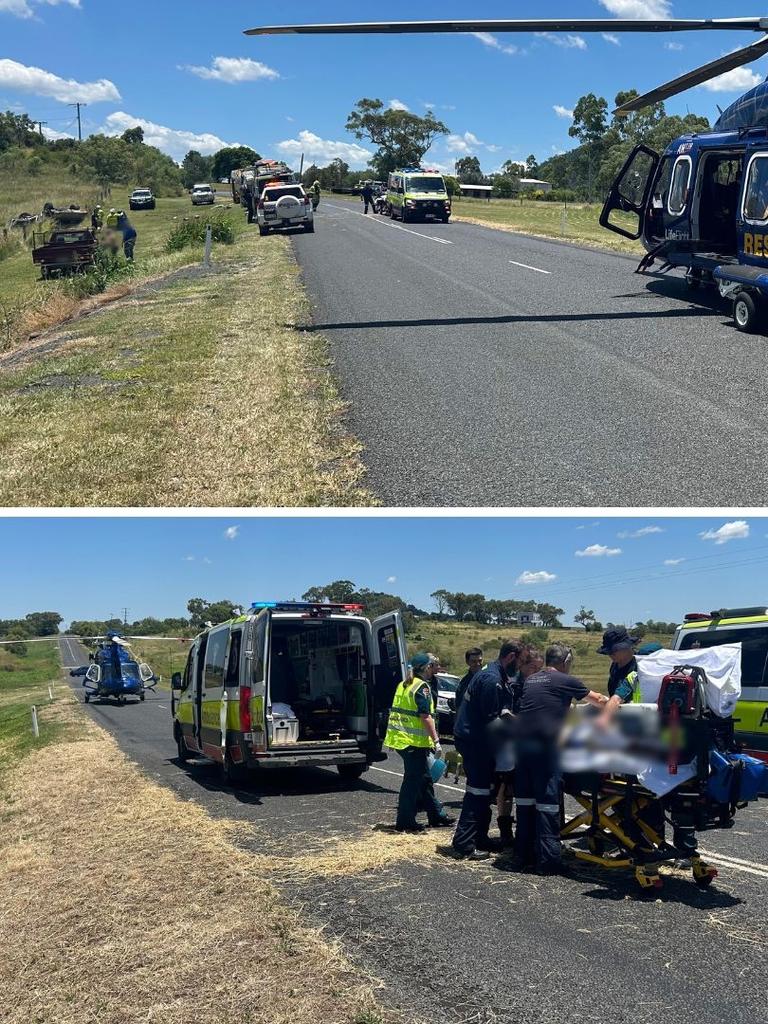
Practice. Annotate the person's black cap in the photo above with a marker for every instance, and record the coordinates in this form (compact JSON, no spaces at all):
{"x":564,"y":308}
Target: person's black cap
{"x":617,"y":640}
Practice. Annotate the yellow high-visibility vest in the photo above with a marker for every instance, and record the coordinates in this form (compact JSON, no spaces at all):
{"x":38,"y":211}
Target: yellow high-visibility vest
{"x":406,"y":727}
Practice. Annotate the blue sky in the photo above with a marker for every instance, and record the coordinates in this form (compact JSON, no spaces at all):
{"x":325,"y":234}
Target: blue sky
{"x":622,"y":568}
{"x":188,"y":74}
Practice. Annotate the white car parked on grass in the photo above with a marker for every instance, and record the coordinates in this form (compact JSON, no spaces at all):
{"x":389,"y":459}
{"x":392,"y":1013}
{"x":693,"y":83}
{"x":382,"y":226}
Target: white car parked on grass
{"x":202,"y":194}
{"x":284,"y":206}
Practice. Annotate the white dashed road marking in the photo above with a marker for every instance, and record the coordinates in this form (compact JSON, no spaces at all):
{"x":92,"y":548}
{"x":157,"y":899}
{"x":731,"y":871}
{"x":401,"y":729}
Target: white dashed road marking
{"x":528,"y":267}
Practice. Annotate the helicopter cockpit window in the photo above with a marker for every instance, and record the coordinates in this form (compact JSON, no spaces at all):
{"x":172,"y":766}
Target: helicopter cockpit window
{"x":756,"y":192}
{"x":678,"y":192}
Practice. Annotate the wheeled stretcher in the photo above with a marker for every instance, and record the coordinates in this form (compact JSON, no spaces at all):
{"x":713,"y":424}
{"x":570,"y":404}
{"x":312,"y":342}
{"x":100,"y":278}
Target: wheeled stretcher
{"x":695,"y":780}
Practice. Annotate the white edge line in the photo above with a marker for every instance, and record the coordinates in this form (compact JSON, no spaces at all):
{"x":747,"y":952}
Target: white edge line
{"x":442,"y":785}
{"x":529,"y":267}
{"x":735,"y":860}
{"x":389,"y":224}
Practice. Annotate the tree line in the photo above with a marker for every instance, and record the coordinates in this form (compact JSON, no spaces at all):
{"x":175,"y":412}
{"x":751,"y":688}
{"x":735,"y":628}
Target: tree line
{"x":112,"y":160}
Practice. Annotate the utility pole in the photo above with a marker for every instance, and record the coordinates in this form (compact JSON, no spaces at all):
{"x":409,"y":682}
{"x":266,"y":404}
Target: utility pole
{"x":125,"y":617}
{"x":40,"y":126}
{"x":79,"y":122}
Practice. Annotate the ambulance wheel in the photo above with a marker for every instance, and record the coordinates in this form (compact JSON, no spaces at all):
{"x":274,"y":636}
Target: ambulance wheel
{"x":745,"y":313}
{"x":181,"y":748}
{"x":142,"y":695}
{"x":233,"y":774}
{"x":86,"y":697}
{"x":351,"y":772}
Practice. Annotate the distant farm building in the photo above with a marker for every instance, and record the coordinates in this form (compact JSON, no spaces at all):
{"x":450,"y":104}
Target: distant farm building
{"x":534,"y":185}
{"x":476,"y":191}
{"x":529,"y":619}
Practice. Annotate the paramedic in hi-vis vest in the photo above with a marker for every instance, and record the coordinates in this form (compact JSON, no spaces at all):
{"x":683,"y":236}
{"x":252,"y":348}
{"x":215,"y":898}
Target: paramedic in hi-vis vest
{"x":412,"y":732}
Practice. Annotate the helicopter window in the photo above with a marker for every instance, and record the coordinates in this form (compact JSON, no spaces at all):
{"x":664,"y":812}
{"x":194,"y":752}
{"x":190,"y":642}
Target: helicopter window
{"x":678,"y":192}
{"x":756,"y":192}
{"x":214,"y":658}
{"x":233,"y":662}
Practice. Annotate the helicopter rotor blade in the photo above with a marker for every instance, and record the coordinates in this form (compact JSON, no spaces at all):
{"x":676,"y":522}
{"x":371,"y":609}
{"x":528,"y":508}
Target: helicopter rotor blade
{"x":519,"y":25}
{"x":705,"y":73}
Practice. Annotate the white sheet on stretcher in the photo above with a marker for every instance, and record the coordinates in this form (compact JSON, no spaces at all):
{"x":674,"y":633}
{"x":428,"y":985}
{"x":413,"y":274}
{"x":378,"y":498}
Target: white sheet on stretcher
{"x":721,"y":663}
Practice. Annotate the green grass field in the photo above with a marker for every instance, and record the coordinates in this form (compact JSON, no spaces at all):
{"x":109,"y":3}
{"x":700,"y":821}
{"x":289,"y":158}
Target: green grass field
{"x":24,"y":681}
{"x":449,"y":641}
{"x":572,"y":222}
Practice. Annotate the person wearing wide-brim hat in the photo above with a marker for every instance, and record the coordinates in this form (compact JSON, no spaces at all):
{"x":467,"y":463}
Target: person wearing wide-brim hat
{"x":623,"y":681}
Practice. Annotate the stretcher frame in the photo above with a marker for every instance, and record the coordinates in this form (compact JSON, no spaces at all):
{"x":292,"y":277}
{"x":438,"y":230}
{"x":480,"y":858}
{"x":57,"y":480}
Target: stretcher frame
{"x":612,"y":808}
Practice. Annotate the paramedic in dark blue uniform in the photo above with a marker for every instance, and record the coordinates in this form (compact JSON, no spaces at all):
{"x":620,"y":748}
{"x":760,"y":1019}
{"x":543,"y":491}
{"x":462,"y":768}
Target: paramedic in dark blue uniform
{"x":486,"y":697}
{"x":543,"y":707}
{"x":474,"y":660}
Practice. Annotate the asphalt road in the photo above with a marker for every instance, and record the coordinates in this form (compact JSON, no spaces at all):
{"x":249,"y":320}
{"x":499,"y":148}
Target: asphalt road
{"x":466,"y":944}
{"x":490,"y":368}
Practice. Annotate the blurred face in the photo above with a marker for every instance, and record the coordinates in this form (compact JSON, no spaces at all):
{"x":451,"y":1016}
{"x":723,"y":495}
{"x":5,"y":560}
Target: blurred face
{"x":622,"y":657}
{"x":475,"y":662}
{"x":532,"y":663}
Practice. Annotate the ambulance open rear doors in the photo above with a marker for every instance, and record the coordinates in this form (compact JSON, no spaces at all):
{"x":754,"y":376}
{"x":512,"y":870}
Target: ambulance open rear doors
{"x":223,"y":708}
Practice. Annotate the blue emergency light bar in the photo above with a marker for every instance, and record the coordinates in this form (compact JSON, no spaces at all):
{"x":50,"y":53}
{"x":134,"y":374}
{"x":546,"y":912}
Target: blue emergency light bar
{"x":312,"y":607}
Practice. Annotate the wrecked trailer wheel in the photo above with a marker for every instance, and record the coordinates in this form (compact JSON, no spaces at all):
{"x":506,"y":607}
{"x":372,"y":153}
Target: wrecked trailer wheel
{"x":746,"y":315}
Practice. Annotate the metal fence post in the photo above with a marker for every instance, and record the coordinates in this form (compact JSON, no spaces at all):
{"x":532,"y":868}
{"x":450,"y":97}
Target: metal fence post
{"x":208,"y":243}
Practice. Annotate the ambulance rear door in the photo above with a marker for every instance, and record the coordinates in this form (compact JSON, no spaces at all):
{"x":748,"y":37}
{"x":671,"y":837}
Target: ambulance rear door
{"x":390,"y":662}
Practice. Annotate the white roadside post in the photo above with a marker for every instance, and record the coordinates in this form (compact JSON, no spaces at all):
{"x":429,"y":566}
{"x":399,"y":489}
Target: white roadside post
{"x":207,"y":251}
{"x":35,"y":727}
{"x":564,"y":221}
{"x":50,"y":693}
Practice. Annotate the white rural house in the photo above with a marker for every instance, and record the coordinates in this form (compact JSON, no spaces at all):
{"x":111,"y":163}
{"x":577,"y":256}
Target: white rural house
{"x":529,"y":619}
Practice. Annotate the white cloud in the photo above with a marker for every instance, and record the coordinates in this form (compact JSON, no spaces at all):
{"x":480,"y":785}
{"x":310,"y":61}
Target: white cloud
{"x":397,"y":105}
{"x":314,"y":148}
{"x":568,"y":42}
{"x":188,"y":558}
{"x":563,"y":111}
{"x":173,"y":141}
{"x":25,"y":8}
{"x":465,"y":143}
{"x":232,"y":69}
{"x":737,"y":530}
{"x":647,"y":10}
{"x":391,"y":579}
{"x":673,"y":46}
{"x":738,"y":80}
{"x":673,"y":561}
{"x":644,"y":531}
{"x":542,"y":576}
{"x":609,"y":37}
{"x":487,"y":39}
{"x":231,"y":532}
{"x":598,"y":551}
{"x":52,"y":135}
{"x":44,"y":83}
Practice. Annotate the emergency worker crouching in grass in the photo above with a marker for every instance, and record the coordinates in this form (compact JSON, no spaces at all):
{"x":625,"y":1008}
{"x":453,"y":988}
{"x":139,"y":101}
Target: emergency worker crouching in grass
{"x":412,"y":732}
{"x":485,"y":698}
{"x":544,"y":705}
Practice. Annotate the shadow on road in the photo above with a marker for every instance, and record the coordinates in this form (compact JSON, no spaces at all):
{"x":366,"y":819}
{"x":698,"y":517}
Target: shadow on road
{"x":553,"y":318}
{"x":273,"y":782}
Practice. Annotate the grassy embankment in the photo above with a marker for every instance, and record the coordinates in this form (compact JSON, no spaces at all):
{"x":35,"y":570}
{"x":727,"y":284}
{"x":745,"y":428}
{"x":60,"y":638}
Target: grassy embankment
{"x":449,"y":640}
{"x":575,"y":222}
{"x":115,"y":891}
{"x":196,"y":392}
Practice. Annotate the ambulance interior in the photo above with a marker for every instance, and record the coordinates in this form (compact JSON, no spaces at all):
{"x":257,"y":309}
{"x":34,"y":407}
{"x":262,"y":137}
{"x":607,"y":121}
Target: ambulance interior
{"x":318,"y":682}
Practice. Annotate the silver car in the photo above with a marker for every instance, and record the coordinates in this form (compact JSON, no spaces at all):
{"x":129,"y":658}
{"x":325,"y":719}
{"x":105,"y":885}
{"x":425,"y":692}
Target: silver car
{"x":284,"y":206}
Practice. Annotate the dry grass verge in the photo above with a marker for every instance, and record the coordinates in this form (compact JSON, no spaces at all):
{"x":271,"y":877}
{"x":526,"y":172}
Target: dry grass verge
{"x":614,"y":243}
{"x":123,"y":904}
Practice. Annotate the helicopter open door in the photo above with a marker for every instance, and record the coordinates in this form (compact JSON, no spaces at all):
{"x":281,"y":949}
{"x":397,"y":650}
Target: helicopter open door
{"x":630,"y":193}
{"x":390,"y":668}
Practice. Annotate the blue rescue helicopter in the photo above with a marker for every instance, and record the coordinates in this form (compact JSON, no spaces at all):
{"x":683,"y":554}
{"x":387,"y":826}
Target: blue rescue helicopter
{"x":702,"y":205}
{"x":114,"y":673}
